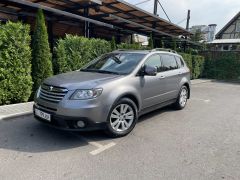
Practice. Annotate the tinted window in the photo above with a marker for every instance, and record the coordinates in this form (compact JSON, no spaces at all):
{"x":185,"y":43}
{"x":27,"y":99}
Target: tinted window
{"x":179,"y":61}
{"x":154,"y":61}
{"x":168,"y":63}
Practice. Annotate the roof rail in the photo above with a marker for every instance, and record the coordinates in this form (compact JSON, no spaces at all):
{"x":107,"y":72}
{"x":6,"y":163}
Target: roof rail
{"x":163,"y":49}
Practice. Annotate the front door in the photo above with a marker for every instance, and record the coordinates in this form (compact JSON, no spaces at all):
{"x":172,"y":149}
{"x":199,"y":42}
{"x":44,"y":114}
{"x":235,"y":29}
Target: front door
{"x":151,"y":87}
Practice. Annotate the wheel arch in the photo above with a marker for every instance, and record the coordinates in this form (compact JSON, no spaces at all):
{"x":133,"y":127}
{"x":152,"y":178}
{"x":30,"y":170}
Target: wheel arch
{"x":130,"y":96}
{"x":188,"y":87}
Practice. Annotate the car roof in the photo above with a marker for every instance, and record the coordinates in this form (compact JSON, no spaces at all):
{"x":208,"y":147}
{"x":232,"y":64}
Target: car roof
{"x":159,"y":50}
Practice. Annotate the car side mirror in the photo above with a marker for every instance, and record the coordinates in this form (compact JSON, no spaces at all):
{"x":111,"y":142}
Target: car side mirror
{"x":149,"y":70}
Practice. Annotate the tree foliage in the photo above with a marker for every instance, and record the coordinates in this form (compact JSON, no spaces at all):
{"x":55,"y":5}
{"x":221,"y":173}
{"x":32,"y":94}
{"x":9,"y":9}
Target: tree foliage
{"x":41,"y":55}
{"x":150,"y":42}
{"x":197,"y":36}
{"x":15,"y":63}
{"x":75,"y":51}
{"x":113,"y":44}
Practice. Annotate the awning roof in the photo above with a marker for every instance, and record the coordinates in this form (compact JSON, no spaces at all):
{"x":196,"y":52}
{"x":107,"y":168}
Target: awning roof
{"x":225,"y":41}
{"x":110,"y":13}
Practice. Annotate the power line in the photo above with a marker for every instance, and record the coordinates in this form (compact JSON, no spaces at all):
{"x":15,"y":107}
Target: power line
{"x":163,"y":10}
{"x":181,"y":21}
{"x":142,"y":2}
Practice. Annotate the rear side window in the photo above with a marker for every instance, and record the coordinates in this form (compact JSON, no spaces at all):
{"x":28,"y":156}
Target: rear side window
{"x":154,"y":61}
{"x":168,"y":63}
{"x":179,"y":62}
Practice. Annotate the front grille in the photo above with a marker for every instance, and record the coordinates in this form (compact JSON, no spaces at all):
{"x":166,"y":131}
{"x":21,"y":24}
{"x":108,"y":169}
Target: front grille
{"x":52,"y":93}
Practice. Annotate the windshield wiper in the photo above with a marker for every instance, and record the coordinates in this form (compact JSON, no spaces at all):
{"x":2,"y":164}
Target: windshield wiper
{"x":116,"y":59}
{"x":100,"y":71}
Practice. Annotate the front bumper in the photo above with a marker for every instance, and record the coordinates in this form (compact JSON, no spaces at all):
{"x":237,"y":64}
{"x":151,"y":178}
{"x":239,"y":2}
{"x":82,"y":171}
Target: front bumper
{"x":68,"y":123}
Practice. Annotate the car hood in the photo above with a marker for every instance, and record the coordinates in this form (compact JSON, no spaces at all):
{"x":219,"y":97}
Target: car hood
{"x":80,"y":80}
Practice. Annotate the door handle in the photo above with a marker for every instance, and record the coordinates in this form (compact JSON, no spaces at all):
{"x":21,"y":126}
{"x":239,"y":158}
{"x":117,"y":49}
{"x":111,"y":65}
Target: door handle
{"x":161,"y":77}
{"x":179,"y":73}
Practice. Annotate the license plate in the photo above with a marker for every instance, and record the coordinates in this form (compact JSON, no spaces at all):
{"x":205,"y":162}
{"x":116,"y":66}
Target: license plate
{"x":43,"y":115}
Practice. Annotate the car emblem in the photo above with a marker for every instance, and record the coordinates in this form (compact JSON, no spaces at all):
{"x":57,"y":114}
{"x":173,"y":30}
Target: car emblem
{"x":50,"y":88}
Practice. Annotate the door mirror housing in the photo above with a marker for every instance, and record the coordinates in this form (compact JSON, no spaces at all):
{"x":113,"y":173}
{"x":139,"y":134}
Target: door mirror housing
{"x":149,"y":70}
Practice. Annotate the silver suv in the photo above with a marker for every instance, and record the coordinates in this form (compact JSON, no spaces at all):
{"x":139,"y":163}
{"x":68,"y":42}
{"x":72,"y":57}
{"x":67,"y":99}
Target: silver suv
{"x":112,"y":91}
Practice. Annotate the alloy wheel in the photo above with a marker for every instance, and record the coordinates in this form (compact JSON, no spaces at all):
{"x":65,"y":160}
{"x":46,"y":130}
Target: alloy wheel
{"x":183,"y":97}
{"x":122,"y":117}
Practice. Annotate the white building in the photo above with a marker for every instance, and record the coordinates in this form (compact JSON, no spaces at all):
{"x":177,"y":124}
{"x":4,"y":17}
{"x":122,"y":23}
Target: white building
{"x":228,"y":38}
{"x":208,"y":32}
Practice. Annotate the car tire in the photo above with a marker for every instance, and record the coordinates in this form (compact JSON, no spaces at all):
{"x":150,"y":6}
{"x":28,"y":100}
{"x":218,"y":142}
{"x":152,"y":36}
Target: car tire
{"x":122,"y":118}
{"x":182,"y":98}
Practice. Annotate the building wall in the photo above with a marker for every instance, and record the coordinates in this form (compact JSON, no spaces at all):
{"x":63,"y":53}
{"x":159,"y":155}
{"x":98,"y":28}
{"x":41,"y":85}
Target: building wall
{"x":233,"y":31}
{"x":208,"y":32}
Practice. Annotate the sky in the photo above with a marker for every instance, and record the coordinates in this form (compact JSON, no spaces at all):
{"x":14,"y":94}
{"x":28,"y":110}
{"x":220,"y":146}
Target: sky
{"x":203,"y":12}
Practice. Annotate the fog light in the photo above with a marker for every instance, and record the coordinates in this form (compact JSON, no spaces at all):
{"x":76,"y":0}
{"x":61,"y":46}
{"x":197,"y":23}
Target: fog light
{"x":80,"y":124}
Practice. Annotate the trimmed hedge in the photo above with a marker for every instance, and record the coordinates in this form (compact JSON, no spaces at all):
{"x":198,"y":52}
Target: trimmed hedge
{"x":197,"y":66}
{"x":222,"y":65}
{"x":188,"y":60}
{"x":15,"y":63}
{"x":195,"y":63}
{"x":74,"y":51}
{"x":134,"y":46}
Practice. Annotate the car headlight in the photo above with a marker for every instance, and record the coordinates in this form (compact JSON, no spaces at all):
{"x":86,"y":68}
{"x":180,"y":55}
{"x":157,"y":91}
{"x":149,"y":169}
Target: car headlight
{"x":82,"y":94}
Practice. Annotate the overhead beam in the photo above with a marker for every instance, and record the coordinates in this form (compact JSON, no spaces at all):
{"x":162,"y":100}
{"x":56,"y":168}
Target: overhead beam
{"x":60,"y":12}
{"x":139,"y":25}
{"x":150,"y":29}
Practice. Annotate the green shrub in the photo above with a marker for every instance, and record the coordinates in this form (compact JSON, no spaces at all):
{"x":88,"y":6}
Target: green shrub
{"x":223,"y":65}
{"x":74,"y":51}
{"x":15,"y":63}
{"x":150,"y":42}
{"x":188,"y":60}
{"x":197,"y":66}
{"x":134,"y":46}
{"x":195,"y":63}
{"x":41,"y":58}
{"x":113,"y":44}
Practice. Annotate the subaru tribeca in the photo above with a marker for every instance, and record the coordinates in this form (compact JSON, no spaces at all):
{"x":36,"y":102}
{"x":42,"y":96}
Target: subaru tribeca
{"x":112,"y":91}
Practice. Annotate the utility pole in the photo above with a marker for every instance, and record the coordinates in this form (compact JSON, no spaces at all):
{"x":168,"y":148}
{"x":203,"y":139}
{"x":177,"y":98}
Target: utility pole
{"x":155,"y":7}
{"x":187,"y":28}
{"x":154,"y":23}
{"x":188,"y":19}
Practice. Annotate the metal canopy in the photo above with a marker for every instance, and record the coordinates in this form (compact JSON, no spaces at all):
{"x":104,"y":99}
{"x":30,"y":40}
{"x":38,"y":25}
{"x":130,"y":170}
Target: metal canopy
{"x":116,"y":14}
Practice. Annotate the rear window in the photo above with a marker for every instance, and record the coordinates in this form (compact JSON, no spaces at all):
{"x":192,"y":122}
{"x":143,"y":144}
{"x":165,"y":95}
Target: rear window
{"x":179,"y":62}
{"x":168,"y":63}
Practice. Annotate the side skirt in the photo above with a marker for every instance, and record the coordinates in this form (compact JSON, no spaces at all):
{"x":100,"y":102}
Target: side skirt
{"x":155,"y":107}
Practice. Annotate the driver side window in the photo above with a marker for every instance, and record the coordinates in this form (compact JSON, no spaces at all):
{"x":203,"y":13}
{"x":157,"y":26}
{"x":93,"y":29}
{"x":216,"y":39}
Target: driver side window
{"x":154,"y":61}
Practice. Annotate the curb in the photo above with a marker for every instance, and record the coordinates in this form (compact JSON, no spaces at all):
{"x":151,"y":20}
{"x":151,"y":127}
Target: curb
{"x":15,"y":115}
{"x":195,"y":82}
{"x":15,"y":110}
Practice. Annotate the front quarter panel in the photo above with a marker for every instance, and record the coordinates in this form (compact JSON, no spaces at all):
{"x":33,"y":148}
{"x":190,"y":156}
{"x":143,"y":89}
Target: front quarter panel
{"x":120,"y":88}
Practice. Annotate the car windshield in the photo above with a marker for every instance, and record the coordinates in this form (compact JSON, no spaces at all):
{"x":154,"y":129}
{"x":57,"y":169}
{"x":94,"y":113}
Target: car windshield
{"x":115,"y":63}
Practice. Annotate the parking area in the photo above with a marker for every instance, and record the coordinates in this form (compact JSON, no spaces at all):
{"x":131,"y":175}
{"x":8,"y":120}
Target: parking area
{"x":199,"y":142}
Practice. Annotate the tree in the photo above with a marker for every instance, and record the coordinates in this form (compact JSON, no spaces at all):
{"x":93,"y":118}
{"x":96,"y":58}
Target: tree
{"x":41,"y":55}
{"x":198,"y":36}
{"x":161,"y":43}
{"x":113,"y":43}
{"x":174,"y":44}
{"x":150,"y":42}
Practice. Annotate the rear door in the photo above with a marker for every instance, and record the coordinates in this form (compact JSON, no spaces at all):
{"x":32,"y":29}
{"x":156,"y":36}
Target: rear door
{"x":170,"y":73}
